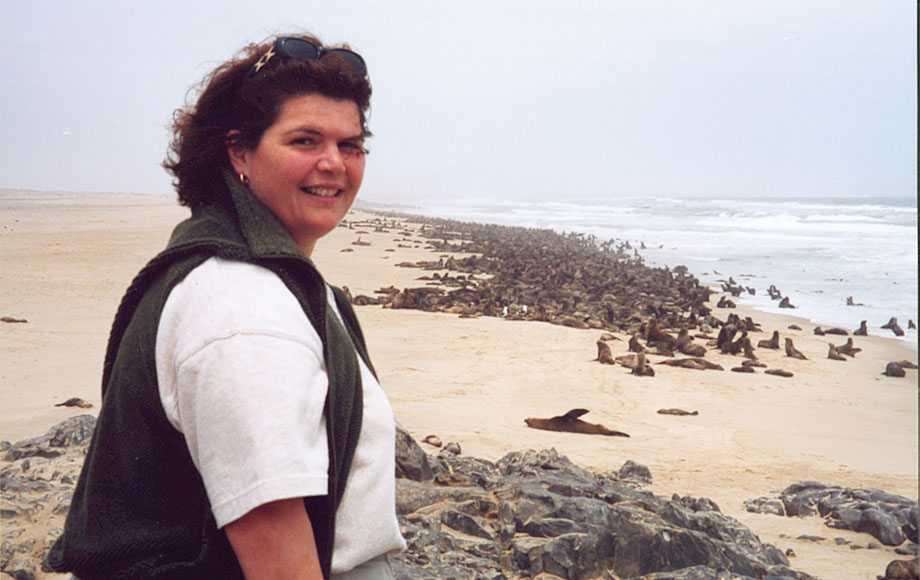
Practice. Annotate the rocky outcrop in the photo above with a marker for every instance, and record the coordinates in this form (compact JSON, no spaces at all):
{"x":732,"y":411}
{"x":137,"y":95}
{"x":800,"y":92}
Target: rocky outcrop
{"x":535,"y":512}
{"x":889,"y":518}
{"x":529,"y":513}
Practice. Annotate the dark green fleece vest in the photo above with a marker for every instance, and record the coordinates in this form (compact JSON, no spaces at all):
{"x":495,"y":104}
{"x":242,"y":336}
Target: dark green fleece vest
{"x":140,"y":509}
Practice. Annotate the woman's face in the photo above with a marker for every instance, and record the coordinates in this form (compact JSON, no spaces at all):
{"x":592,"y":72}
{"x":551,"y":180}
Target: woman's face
{"x":308,"y":166}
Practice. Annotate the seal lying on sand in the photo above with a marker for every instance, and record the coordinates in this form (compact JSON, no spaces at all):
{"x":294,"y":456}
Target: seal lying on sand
{"x":570,"y":422}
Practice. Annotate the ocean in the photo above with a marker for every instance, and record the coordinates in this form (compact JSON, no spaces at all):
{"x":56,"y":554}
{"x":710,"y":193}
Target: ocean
{"x":816,"y":251}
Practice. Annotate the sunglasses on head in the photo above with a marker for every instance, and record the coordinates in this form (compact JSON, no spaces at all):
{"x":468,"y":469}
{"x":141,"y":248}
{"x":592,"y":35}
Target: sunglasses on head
{"x":300,"y":48}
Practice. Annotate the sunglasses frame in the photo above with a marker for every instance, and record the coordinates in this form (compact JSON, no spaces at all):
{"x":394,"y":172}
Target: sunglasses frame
{"x":292,"y":47}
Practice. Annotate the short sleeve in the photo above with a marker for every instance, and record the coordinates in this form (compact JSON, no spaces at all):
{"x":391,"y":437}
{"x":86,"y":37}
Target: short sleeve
{"x":241,"y":375}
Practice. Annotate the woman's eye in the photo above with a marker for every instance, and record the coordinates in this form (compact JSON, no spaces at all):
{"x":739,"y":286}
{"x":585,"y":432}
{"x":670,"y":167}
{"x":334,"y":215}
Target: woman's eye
{"x":352,"y":149}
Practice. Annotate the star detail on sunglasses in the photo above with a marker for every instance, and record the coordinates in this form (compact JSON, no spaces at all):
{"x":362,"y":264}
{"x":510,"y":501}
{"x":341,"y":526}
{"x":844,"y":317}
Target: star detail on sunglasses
{"x":263,"y":60}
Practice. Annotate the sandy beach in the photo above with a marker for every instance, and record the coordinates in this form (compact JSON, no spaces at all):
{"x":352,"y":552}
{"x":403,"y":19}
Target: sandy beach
{"x":67,"y":259}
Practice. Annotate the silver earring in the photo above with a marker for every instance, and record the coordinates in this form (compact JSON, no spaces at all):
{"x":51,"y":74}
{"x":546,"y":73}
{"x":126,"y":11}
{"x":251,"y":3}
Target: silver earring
{"x":243,"y":179}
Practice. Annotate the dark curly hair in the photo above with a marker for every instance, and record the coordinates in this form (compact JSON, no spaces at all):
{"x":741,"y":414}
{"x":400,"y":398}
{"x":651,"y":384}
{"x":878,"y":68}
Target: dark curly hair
{"x":230,"y":99}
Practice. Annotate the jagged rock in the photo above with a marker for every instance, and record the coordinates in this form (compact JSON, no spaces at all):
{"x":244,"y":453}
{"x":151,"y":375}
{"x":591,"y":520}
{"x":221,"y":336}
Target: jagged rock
{"x":411,"y":460}
{"x":529,"y":513}
{"x":535,"y":512}
{"x":887,"y":517}
{"x":902,"y":570}
{"x":71,"y":432}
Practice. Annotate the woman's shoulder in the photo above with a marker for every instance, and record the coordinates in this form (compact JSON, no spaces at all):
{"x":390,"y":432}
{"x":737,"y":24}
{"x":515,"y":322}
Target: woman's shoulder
{"x":230,"y":296}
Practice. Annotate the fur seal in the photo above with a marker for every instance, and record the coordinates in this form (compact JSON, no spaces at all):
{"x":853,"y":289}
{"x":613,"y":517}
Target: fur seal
{"x":848,"y":348}
{"x":432,"y":440}
{"x":772,"y":343}
{"x":678,"y":412}
{"x":75,"y":402}
{"x":911,"y":325}
{"x":863,"y":329}
{"x":837,"y":331}
{"x":604,"y":354}
{"x":894,"y":327}
{"x":778,"y":372}
{"x":819,"y":331}
{"x":12,"y":320}
{"x":791,"y":351}
{"x":634,"y":344}
{"x":570,"y":422}
{"x":642,"y":368}
{"x":784,"y":303}
{"x":743,"y":369}
{"x":833,"y":354}
{"x":697,"y":363}
{"x":686,"y":345}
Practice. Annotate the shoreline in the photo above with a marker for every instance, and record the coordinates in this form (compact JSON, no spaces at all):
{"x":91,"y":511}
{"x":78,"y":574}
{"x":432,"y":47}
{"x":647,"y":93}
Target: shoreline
{"x":68,"y":260}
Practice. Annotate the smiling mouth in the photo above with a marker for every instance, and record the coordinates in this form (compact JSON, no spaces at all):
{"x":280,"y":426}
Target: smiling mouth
{"x":321,"y":191}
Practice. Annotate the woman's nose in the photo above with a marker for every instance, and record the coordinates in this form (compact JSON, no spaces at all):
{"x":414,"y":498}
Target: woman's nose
{"x":331,"y":159}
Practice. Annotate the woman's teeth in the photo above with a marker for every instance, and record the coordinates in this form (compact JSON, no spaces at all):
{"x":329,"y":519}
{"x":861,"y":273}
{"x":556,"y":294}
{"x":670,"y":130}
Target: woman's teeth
{"x":321,"y":191}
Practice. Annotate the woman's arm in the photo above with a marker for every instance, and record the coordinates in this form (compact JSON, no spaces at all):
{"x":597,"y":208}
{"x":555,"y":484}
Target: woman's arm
{"x":275,"y":541}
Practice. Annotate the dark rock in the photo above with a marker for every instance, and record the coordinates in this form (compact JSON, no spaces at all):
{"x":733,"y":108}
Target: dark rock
{"x":411,"y":460}
{"x":902,"y":570}
{"x":887,"y":517}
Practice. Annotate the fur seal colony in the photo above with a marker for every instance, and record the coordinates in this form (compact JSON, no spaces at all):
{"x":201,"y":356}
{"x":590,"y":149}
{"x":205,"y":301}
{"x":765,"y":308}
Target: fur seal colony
{"x":578,"y":281}
{"x":570,"y":422}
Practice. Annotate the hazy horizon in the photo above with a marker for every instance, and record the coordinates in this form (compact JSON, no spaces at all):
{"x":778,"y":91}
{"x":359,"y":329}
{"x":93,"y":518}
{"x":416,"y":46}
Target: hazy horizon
{"x":513,"y":100}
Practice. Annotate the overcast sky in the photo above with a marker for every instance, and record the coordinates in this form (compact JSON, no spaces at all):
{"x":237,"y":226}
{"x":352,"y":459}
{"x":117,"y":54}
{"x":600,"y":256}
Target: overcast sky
{"x":530,"y":99}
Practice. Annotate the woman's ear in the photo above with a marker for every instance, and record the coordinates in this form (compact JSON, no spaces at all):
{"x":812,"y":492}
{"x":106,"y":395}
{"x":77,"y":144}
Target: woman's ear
{"x":238,"y":155}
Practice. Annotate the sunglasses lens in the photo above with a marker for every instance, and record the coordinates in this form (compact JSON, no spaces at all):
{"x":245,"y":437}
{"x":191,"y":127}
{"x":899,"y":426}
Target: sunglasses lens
{"x":294,"y":47}
{"x":352,"y":58}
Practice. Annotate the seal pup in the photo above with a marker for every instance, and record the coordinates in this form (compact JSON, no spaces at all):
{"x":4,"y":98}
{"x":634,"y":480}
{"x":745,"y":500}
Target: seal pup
{"x":748,"y":348}
{"x":911,"y":325}
{"x":833,"y":354}
{"x":863,"y":329}
{"x":642,"y":368}
{"x":570,"y":422}
{"x":772,"y":343}
{"x":894,"y":327}
{"x":604,"y":354}
{"x":634,"y":345}
{"x":678,"y":412}
{"x":792,"y":351}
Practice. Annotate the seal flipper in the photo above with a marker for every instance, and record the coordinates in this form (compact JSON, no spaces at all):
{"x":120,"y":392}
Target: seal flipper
{"x":572,"y":415}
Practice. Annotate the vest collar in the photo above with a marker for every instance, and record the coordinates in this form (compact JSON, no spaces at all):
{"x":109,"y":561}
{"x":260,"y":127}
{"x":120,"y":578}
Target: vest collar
{"x":263,"y":232}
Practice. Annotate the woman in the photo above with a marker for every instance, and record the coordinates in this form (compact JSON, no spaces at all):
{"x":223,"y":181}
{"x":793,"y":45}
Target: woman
{"x":242,"y":431}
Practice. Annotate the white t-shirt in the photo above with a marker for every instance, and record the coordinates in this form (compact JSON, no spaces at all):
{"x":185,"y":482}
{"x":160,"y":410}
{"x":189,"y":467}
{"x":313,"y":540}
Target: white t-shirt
{"x":241,"y":374}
